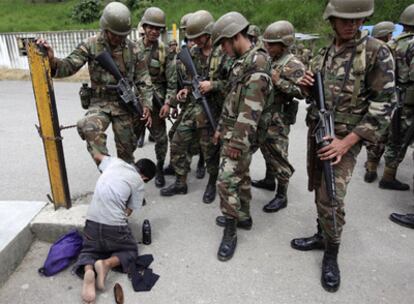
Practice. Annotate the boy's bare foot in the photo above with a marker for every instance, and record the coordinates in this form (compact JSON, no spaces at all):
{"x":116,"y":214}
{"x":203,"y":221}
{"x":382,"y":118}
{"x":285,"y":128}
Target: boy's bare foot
{"x":88,"y":288}
{"x":102,"y":270}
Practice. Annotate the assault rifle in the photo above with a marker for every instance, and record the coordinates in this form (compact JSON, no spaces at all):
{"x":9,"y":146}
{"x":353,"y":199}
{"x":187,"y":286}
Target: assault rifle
{"x":128,"y":99}
{"x":325,"y":127}
{"x":185,"y":57}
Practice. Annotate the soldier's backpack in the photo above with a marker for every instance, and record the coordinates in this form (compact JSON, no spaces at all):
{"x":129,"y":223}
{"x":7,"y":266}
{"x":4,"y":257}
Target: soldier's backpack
{"x":62,"y":253}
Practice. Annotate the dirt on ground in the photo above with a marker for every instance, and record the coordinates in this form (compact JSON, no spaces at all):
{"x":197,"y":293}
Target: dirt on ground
{"x":18,"y":74}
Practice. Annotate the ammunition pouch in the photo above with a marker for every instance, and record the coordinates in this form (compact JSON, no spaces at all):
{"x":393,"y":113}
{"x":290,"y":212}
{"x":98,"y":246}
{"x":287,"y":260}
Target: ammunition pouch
{"x":290,"y":110}
{"x":408,"y":99}
{"x":85,"y":94}
{"x":347,"y":118}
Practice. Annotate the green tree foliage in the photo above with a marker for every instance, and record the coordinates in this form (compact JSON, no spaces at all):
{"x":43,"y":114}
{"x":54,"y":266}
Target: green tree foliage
{"x":86,"y":11}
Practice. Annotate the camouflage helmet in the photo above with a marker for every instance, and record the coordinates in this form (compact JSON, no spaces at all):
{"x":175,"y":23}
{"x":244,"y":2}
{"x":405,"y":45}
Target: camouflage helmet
{"x":407,"y":16}
{"x":280,"y":31}
{"x":300,"y":46}
{"x":116,"y":18}
{"x":199,"y":23}
{"x":229,"y":25}
{"x":253,"y":30}
{"x":183,"y":22}
{"x":383,"y":29}
{"x":349,"y":9}
{"x":153,"y":16}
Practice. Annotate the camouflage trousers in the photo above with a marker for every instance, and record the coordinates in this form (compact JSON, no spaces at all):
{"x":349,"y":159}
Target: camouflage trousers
{"x":394,"y":154}
{"x":234,"y":185}
{"x":93,"y":126}
{"x":158,"y":131}
{"x":343,"y":173}
{"x":374,"y":151}
{"x":275,"y":152}
{"x":186,"y":136}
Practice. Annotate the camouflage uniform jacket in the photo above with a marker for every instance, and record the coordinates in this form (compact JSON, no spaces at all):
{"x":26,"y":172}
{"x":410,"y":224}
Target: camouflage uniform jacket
{"x":129,"y":61}
{"x":248,"y":101}
{"x":361,"y":104}
{"x":162,"y":69}
{"x":214,"y":68}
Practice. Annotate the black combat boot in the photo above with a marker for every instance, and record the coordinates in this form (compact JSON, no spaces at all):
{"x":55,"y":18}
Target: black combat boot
{"x":406,"y":220}
{"x":210,"y":192}
{"x":268,"y":183}
{"x":229,"y":241}
{"x":315,"y":242}
{"x":389,"y":181}
{"x":279,"y":201}
{"x":331,"y":276}
{"x":245,"y":224}
{"x":371,"y":171}
{"x":178,"y":187}
{"x":201,"y":169}
{"x":159,"y":175}
{"x":169,"y":170}
{"x":141,"y":140}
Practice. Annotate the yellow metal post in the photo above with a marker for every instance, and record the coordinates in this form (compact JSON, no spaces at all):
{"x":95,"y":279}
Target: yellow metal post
{"x":174,"y":31}
{"x":49,"y":129}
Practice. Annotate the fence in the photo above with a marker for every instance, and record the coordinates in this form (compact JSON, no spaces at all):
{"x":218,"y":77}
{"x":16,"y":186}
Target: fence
{"x":62,"y":42}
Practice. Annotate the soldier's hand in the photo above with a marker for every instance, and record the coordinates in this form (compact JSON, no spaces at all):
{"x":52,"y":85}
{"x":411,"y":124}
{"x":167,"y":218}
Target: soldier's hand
{"x":174,"y":113}
{"x":337,"y":148}
{"x":50,"y":54}
{"x":307,"y":82}
{"x":216,"y":138}
{"x":233,"y":153}
{"x":147,"y":116}
{"x":165,"y":111}
{"x":275,"y":76}
{"x":182,"y":94}
{"x":205,"y":86}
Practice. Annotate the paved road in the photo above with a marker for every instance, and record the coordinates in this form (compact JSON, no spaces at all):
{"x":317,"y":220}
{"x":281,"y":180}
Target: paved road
{"x":376,"y":257}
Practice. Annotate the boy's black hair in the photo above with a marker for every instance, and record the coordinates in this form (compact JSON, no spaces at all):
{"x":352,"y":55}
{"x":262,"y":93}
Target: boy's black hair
{"x":146,"y":167}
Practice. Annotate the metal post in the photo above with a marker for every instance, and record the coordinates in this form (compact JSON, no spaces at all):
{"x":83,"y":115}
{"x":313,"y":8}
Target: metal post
{"x":49,"y":129}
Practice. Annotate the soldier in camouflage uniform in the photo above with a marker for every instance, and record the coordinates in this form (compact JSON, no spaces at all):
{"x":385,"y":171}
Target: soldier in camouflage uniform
{"x":358,"y":73}
{"x":104,"y":105}
{"x":162,"y":69}
{"x":242,"y":122}
{"x":287,"y":71}
{"x":382,"y":31}
{"x":212,"y":65}
{"x":403,"y":47}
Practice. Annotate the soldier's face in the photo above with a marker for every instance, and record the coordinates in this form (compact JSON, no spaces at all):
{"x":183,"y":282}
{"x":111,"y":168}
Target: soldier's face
{"x":227,"y":47}
{"x":114,"y":39}
{"x":201,"y":41}
{"x":275,"y":50}
{"x":152,"y":32}
{"x":346,"y":29}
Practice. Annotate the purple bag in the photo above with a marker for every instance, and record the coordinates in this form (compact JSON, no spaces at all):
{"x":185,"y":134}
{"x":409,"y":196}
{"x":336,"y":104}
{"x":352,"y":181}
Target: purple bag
{"x":62,"y":253}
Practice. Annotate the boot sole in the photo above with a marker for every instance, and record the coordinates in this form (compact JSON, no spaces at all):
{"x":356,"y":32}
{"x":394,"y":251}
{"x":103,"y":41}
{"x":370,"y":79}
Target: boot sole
{"x":400,"y":223}
{"x":224,"y":259}
{"x":390,"y":188}
{"x":172,"y":194}
{"x":328,"y":288}
{"x":306,"y":248}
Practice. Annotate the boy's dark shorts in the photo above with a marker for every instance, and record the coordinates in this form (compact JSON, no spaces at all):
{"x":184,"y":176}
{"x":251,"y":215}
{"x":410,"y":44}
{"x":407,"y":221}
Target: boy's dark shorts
{"x":102,"y":241}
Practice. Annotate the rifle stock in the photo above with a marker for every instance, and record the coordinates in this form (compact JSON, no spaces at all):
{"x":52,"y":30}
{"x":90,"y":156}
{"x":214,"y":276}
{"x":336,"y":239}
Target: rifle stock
{"x":185,"y":57}
{"x":128,"y":99}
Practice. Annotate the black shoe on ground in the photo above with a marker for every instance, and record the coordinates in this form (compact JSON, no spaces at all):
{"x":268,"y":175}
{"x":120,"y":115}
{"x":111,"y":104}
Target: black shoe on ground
{"x":406,"y":220}
{"x":370,"y":176}
{"x":169,"y":170}
{"x":331,"y":276}
{"x":264,"y":184}
{"x":159,"y":179}
{"x":201,"y":171}
{"x":246,"y":224}
{"x":229,"y":241}
{"x":393,"y":185}
{"x":315,"y":242}
{"x":277,"y":203}
{"x":174,"y":189}
{"x":209,"y":194}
